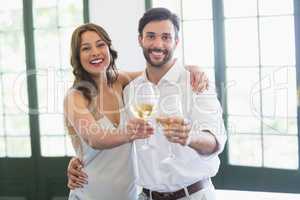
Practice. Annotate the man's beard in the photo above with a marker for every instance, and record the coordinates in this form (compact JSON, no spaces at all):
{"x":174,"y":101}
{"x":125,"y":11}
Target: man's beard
{"x":167,"y":56}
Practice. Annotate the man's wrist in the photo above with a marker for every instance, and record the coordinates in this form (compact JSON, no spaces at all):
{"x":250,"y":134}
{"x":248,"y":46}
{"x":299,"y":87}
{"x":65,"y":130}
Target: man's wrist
{"x":204,"y":142}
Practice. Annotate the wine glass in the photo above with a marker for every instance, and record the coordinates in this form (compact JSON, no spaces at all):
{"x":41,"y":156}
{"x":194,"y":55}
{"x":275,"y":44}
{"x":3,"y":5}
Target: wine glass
{"x":172,"y":107}
{"x":145,"y":101}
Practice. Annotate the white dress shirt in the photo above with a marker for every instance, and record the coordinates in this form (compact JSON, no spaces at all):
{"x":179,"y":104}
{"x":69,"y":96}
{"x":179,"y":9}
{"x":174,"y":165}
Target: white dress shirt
{"x":204,"y":112}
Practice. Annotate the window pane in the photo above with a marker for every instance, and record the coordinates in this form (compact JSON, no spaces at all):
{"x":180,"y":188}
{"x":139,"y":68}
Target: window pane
{"x":245,"y":8}
{"x":275,"y":7}
{"x":12,"y":4}
{"x":2,"y":147}
{"x":68,"y":13}
{"x":48,"y":90}
{"x":65,"y":43}
{"x":52,"y":87}
{"x":1,"y":94}
{"x":198,"y":43}
{"x":1,"y":125}
{"x":17,"y":125}
{"x":15,"y":93}
{"x":44,"y":3}
{"x":241,"y":42}
{"x":174,"y":5}
{"x":243,"y":91}
{"x":52,"y":40}
{"x":197,"y":9}
{"x":243,"y":124}
{"x":44,"y":93}
{"x":45,"y":14}
{"x":47,"y":48}
{"x":279,"y":93}
{"x":277,"y":41}
{"x":286,"y":150}
{"x":47,"y":122}
{"x":11,"y":15}
{"x":53,"y":146}
{"x":14,"y":121}
{"x":12,"y":51}
{"x":18,"y":147}
{"x":64,"y":81}
{"x":280,"y":126}
{"x":245,"y":150}
{"x":45,"y":17}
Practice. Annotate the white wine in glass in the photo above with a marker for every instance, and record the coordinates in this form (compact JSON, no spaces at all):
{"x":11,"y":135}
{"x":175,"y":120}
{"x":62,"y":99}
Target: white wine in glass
{"x":143,"y":106}
{"x":143,"y":111}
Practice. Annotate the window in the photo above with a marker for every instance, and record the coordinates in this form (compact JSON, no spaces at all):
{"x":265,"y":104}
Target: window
{"x":196,"y":42}
{"x":53,"y":24}
{"x":261,"y":94}
{"x":14,"y":118}
{"x":34,"y":75}
{"x":250,"y":47}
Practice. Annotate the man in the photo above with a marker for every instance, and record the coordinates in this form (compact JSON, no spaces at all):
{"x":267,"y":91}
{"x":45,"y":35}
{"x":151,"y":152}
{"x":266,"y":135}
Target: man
{"x":197,"y":141}
{"x":196,"y":144}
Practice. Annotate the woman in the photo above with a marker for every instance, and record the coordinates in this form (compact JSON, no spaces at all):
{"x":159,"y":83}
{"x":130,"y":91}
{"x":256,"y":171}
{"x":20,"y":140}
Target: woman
{"x":94,"y":117}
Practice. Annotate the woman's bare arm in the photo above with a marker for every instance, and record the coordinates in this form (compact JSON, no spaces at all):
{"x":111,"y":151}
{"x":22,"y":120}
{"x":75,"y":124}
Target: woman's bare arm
{"x":78,"y":115}
{"x":125,"y":77}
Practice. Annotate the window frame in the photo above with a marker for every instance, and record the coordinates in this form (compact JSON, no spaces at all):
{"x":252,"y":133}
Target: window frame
{"x":34,"y":177}
{"x":32,"y":78}
{"x":246,"y":177}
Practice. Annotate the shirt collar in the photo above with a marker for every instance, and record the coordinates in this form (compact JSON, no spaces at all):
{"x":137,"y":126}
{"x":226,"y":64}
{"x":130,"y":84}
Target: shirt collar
{"x":172,"y":75}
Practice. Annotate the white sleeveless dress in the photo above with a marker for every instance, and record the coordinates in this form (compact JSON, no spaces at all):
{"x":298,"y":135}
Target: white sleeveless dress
{"x":110,"y":172}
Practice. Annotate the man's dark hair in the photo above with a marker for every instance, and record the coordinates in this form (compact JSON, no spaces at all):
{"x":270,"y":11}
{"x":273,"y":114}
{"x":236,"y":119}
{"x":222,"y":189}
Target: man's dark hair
{"x":158,"y":14}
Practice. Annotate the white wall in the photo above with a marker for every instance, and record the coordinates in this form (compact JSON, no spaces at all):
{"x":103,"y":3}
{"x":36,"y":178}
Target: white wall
{"x":120,"y":20}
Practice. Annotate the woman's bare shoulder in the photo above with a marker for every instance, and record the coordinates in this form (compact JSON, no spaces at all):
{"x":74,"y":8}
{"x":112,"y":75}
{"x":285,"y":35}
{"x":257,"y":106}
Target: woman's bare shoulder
{"x":126,"y":76}
{"x":75,"y":97}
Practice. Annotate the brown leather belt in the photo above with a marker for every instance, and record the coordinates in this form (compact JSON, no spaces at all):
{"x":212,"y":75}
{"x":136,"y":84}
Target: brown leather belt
{"x":174,"y":195}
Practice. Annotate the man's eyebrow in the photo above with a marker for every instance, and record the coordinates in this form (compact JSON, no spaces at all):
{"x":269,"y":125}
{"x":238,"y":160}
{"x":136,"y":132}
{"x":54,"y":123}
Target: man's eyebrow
{"x":153,"y":33}
{"x":150,"y":33}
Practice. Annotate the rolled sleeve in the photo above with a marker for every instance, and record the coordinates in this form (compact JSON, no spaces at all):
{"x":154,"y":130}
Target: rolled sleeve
{"x":206,"y":115}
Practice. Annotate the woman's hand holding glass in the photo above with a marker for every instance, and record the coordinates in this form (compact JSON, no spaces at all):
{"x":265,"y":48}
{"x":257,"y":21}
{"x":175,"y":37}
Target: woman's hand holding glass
{"x":138,"y":129}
